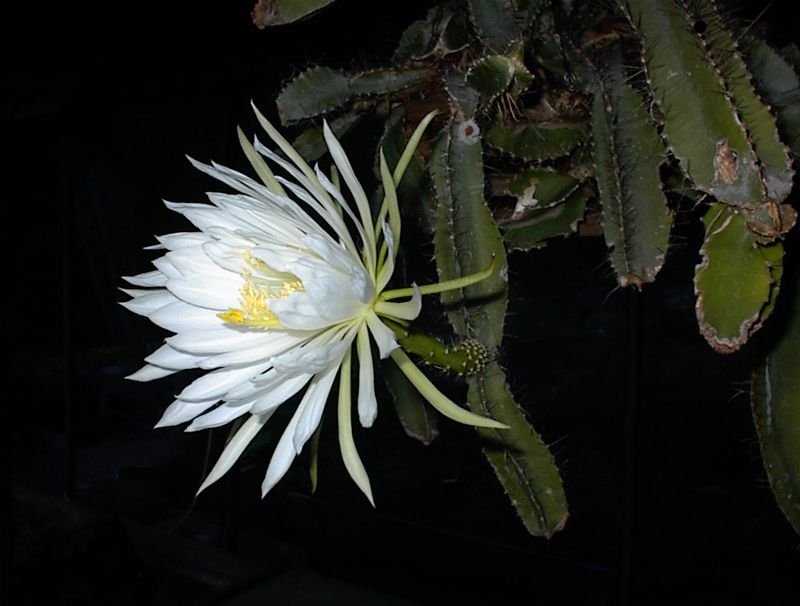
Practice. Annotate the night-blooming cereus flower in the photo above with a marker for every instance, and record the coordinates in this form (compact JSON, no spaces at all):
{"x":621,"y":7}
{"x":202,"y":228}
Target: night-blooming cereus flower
{"x":281,"y":282}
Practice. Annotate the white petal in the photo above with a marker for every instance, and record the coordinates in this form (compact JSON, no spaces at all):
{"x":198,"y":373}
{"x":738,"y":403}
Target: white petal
{"x":383,"y":335}
{"x":352,"y":461}
{"x":221,"y":415}
{"x":234,"y":449}
{"x":311,"y":358}
{"x":297,"y":312}
{"x":337,"y":257}
{"x":218,"y":340}
{"x":179,"y":412}
{"x":203,"y":216}
{"x":349,"y":176}
{"x":329,"y":290}
{"x":166,"y":267}
{"x":145,"y":304}
{"x":405,"y":310}
{"x":150,"y":373}
{"x":274,"y":343}
{"x":193,"y":261}
{"x":287,"y":448}
{"x":367,"y":403}
{"x":283,"y":455}
{"x":179,"y":316}
{"x":150,"y":278}
{"x":316,"y":397}
{"x":212,"y":293}
{"x":216,"y":383}
{"x":182,"y":239}
{"x":276,"y":396}
{"x":168,"y":357}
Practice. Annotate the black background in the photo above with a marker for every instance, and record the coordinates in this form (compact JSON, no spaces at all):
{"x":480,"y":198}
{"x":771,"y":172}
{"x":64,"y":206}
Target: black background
{"x":668,"y":499}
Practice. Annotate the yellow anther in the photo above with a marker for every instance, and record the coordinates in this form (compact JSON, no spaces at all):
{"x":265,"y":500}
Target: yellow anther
{"x":255,"y":294}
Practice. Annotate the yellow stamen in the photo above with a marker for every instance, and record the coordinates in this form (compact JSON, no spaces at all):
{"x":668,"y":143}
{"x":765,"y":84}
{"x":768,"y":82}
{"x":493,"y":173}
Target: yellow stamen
{"x":256,"y":293}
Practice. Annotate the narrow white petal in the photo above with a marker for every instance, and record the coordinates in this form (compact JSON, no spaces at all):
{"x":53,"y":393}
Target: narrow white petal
{"x":386,"y":268}
{"x":349,"y":176}
{"x":179,"y":412}
{"x":182,"y":239}
{"x":150,"y":373}
{"x":168,"y":357}
{"x":282,"y":457}
{"x":274,"y":344}
{"x":193,"y":261}
{"x":234,"y":449}
{"x":165,"y":266}
{"x":352,"y":461}
{"x":179,"y":316}
{"x":151,"y":278}
{"x":215,"y":384}
{"x":337,"y":257}
{"x":383,"y":335}
{"x":311,"y":358}
{"x":203,"y":216}
{"x":211,"y":293}
{"x":405,"y":310}
{"x":297,"y":312}
{"x":315,"y":397}
{"x":146,"y":304}
{"x":276,"y":396}
{"x":218,"y":340}
{"x":367,"y":403}
{"x":221,"y":415}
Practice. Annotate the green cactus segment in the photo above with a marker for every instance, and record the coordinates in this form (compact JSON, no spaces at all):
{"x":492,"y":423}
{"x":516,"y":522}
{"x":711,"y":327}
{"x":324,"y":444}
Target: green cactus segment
{"x":495,"y":22}
{"x":466,"y":240}
{"x":546,"y":223}
{"x":519,"y":457}
{"x":537,"y":188}
{"x":736,"y":282}
{"x":700,"y":122}
{"x":535,"y":142}
{"x":497,"y":74}
{"x":441,"y":33}
{"x":773,"y":157}
{"x":320,"y":90}
{"x":466,"y":237}
{"x":418,"y":418}
{"x":279,"y":12}
{"x":776,"y":412}
{"x":628,"y":154}
{"x":779,"y":84}
{"x":311,"y":144}
{"x":548,"y":204}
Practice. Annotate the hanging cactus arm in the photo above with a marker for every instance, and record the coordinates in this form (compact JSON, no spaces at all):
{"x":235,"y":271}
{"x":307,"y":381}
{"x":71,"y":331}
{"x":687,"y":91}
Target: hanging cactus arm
{"x":320,"y":90}
{"x":775,"y":400}
{"x":728,"y":312}
{"x":268,"y":13}
{"x":495,"y":23}
{"x":628,"y":154}
{"x":779,"y":83}
{"x":762,"y":131}
{"x":701,"y":122}
{"x":465,"y":238}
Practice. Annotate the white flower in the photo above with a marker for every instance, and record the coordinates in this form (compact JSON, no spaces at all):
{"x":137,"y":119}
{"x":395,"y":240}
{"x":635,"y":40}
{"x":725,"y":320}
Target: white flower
{"x":271,"y":294}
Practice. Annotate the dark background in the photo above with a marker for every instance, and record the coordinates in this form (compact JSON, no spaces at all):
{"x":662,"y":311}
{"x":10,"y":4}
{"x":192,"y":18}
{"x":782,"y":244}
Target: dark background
{"x":668,"y":499}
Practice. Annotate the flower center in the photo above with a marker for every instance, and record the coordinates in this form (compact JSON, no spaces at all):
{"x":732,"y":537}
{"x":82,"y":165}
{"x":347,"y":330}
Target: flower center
{"x":262,"y":283}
